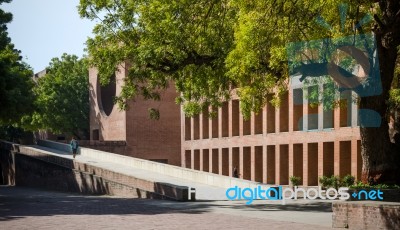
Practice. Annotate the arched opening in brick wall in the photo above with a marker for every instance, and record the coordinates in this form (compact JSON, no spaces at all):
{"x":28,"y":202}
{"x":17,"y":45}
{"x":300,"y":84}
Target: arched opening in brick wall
{"x":106,"y":95}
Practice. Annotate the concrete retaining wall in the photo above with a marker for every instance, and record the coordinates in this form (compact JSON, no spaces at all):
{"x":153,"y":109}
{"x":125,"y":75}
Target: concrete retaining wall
{"x":35,"y":168}
{"x":170,"y":170}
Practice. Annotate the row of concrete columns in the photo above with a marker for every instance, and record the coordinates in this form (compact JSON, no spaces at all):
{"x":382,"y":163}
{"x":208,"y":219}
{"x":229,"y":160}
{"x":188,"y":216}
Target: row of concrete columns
{"x":274,"y":164}
{"x":292,"y":115}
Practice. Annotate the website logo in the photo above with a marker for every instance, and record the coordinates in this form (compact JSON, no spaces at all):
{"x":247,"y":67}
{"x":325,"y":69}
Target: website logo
{"x":347,"y":63}
{"x":283,"y":194}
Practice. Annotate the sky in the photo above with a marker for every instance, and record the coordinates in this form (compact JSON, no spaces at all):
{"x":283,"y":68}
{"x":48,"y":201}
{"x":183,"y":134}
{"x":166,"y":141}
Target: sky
{"x":44,"y":29}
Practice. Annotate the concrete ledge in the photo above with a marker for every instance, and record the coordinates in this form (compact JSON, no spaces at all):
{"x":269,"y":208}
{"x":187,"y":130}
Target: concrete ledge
{"x":55,"y":145}
{"x":366,"y":215}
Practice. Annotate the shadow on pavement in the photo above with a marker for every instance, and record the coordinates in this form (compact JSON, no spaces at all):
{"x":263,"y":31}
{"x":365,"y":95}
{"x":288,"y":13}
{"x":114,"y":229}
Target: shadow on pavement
{"x":20,"y":202}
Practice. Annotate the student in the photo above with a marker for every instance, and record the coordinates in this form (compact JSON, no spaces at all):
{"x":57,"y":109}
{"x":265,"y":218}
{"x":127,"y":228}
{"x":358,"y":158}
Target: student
{"x":235,"y":172}
{"x":74,"y":146}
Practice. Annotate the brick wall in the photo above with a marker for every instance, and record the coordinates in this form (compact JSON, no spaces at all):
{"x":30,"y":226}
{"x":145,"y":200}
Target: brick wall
{"x":374,"y":215}
{"x":145,"y":138}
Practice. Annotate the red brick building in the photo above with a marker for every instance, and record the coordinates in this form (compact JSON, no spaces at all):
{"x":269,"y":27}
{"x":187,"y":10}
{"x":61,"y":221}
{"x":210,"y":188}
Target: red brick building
{"x":294,"y":139}
{"x":132,"y":132}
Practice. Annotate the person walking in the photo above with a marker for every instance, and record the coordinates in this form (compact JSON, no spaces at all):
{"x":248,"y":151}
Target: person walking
{"x":74,"y":146}
{"x":235,"y":172}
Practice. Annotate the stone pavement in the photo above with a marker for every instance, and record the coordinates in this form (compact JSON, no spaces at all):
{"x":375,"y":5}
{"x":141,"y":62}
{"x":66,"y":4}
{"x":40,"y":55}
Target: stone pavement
{"x":25,"y":208}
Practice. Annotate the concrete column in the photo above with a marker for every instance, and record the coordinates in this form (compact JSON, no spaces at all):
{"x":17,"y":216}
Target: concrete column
{"x":210,"y":160}
{"x":336,"y":155}
{"x":291,"y":159}
{"x":305,"y":163}
{"x":320,"y":158}
{"x":220,"y":117}
{"x":265,"y":120}
{"x":230,"y":155}
{"x":210,"y":126}
{"x":264,"y":160}
{"x":290,"y":110}
{"x":240,"y":122}
{"x":320,"y":110}
{"x":191,"y":128}
{"x":201,"y":126}
{"x":277,"y":164}
{"x":252,"y":161}
{"x":305,"y":113}
{"x":201,"y":158}
{"x":192,"y":158}
{"x":230,"y":111}
{"x":241,"y":162}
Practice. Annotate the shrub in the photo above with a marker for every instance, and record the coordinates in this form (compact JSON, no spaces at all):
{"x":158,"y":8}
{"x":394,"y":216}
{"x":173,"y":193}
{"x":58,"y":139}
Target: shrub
{"x":348,"y":180}
{"x":336,"y":181}
{"x":295,"y":180}
{"x":325,"y":182}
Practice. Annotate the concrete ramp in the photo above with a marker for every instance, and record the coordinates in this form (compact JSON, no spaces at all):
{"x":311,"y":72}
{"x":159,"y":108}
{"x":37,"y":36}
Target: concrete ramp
{"x":168,"y":180}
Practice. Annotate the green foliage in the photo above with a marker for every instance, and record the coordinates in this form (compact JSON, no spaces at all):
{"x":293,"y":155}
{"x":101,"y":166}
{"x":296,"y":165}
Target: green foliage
{"x":295,"y":180}
{"x":15,"y":78}
{"x":62,"y":97}
{"x":10,"y":133}
{"x":361,"y":185}
{"x":348,"y":180}
{"x":208,"y":48}
{"x":325,"y":181}
{"x":328,"y":182}
{"x":184,"y":41}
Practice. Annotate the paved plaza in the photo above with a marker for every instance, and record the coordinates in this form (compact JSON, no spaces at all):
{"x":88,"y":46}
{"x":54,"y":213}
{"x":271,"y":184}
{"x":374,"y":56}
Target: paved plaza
{"x":26,"y":208}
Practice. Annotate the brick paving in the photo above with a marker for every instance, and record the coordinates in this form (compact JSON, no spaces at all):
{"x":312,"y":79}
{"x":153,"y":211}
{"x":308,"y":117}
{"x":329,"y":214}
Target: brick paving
{"x":26,"y":208}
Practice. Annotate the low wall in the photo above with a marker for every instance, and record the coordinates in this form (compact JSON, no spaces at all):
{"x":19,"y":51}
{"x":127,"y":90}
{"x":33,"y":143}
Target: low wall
{"x":363,"y":215}
{"x":7,"y":165}
{"x":35,"y":168}
{"x":163,"y":190}
{"x":170,"y":170}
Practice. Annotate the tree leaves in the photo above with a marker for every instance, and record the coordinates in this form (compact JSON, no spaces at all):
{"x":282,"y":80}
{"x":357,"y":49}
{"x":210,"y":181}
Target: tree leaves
{"x":15,"y":78}
{"x":62,"y":97}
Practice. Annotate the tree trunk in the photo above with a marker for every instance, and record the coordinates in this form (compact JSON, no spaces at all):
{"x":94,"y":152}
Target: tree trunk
{"x":381,"y":158}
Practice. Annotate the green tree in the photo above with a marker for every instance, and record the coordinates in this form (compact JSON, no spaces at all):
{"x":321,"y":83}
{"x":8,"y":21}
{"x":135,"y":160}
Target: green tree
{"x":15,"y":78}
{"x":62,"y":98}
{"x":210,"y":47}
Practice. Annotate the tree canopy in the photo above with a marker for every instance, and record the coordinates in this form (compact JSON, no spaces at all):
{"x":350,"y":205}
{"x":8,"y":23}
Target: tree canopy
{"x":209,"y":48}
{"x":15,"y":77}
{"x":62,"y":98}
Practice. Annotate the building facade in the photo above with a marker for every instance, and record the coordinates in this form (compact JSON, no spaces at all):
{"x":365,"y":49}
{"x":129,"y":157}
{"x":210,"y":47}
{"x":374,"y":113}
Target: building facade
{"x":132,"y":132}
{"x":294,"y":139}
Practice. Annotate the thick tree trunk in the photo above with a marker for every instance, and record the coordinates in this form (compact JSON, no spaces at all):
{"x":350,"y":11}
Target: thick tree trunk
{"x":381,"y":158}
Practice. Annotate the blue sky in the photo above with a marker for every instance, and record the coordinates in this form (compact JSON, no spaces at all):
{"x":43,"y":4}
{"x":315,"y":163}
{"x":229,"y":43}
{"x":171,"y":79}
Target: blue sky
{"x":43,"y":29}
